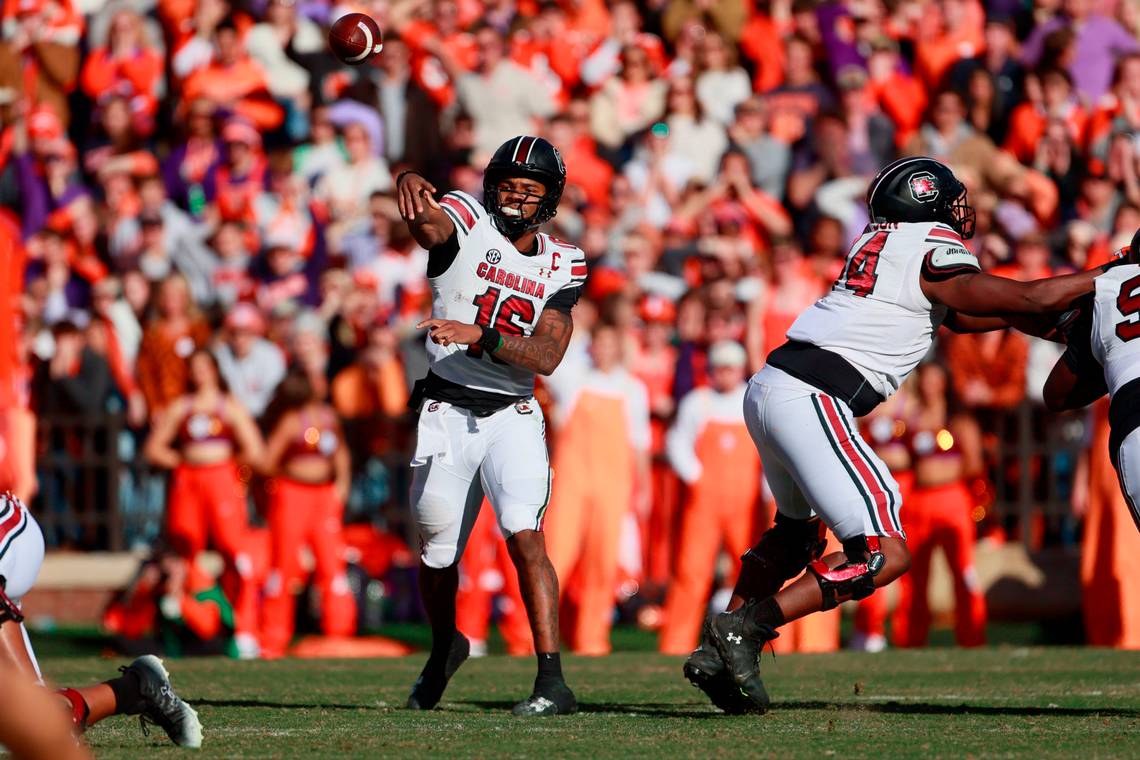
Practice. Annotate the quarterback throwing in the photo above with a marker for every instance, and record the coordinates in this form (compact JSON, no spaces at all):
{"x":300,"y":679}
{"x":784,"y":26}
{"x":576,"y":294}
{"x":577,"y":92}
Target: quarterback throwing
{"x":501,"y":299}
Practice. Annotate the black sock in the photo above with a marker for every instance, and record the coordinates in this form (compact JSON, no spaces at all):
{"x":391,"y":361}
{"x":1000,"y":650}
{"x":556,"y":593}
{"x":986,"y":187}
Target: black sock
{"x":441,"y":644}
{"x":128,"y":698}
{"x":765,"y":613}
{"x":549,"y":667}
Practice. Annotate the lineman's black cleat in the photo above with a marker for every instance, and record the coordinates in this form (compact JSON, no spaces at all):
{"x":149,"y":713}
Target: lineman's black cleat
{"x":549,"y":698}
{"x":706,"y":670}
{"x":428,"y":689}
{"x":740,"y":640}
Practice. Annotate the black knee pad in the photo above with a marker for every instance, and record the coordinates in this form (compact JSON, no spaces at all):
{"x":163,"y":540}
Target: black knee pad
{"x":855,"y":578}
{"x":782,"y":553}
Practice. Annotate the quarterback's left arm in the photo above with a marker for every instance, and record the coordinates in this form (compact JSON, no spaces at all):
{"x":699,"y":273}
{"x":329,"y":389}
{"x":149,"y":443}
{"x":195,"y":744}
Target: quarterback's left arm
{"x":540,"y":352}
{"x":543,"y":349}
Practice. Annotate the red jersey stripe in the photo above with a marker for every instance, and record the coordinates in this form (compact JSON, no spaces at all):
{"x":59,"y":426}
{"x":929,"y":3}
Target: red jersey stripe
{"x":459,"y":208}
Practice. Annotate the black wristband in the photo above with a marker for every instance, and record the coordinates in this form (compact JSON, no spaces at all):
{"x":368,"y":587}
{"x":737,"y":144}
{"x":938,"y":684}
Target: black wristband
{"x":490,"y":340}
{"x":402,"y":174}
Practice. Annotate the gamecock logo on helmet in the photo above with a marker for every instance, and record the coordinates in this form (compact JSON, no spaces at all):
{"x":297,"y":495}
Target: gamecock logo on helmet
{"x":923,"y":187}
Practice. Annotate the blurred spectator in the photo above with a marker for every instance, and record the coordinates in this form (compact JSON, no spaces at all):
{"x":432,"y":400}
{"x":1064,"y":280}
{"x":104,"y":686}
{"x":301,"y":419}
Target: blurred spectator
{"x":769,"y":159}
{"x":627,"y":104}
{"x":692,"y":132}
{"x":603,"y":466}
{"x":251,"y":366}
{"x":193,"y":157}
{"x":284,"y":44}
{"x":375,"y":384}
{"x":234,"y":80}
{"x":40,"y":52}
{"x":949,"y":31}
{"x":231,"y":186}
{"x":75,"y":380}
{"x":871,"y":139}
{"x":307,"y":457}
{"x":720,"y":83}
{"x":988,"y":368}
{"x":128,"y":65}
{"x":1003,"y":73}
{"x":411,"y":118}
{"x":172,"y":606}
{"x":625,"y":30}
{"x":1058,"y":103}
{"x":1099,"y":42}
{"x":897,"y":92}
{"x":174,"y":330}
{"x":727,"y":16}
{"x":344,"y":189}
{"x":710,"y":449}
{"x":501,"y":97}
{"x":800,"y":97}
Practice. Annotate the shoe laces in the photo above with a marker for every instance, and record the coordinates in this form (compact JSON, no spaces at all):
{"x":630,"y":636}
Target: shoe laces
{"x":165,"y":699}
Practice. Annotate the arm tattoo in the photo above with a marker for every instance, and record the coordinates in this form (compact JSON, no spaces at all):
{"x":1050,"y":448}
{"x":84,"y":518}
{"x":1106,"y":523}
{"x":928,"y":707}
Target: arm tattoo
{"x":543,"y":349}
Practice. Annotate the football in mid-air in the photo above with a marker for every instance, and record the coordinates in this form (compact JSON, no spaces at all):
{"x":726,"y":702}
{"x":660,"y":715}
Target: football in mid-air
{"x":354,"y":38}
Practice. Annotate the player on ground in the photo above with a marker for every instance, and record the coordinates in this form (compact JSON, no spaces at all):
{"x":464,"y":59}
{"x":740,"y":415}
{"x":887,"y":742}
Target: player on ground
{"x":906,"y":275}
{"x":501,"y":299}
{"x":1104,"y":357}
{"x":143,"y":688}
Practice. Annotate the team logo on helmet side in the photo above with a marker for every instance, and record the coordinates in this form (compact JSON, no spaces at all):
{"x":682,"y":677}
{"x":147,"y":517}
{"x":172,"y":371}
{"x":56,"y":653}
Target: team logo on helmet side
{"x":558,"y":158}
{"x":923,"y":187}
{"x":493,"y":256}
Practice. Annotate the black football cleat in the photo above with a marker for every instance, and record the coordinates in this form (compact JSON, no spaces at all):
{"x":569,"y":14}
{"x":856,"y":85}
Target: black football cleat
{"x":159,"y":705}
{"x":548,"y":699}
{"x":428,"y":689}
{"x":706,"y":670}
{"x":740,"y":642}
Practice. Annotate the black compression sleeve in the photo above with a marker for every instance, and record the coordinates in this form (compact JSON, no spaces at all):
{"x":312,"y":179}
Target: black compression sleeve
{"x":564,"y":300}
{"x":441,"y":256}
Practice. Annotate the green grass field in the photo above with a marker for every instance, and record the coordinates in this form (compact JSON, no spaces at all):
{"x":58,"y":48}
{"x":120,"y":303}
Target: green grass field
{"x":1000,"y":702}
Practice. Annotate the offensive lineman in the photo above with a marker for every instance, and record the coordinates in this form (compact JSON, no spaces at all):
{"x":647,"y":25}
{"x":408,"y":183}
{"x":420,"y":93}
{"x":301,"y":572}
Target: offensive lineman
{"x":501,"y":299}
{"x":907,"y":274}
{"x":1104,"y":357}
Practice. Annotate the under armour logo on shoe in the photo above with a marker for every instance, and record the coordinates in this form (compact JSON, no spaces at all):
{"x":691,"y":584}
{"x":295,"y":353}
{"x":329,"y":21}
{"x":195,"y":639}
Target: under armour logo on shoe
{"x":734,"y":638}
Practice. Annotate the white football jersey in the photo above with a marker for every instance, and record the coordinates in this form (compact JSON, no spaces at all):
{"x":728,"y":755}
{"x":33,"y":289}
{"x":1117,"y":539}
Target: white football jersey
{"x":876,"y":315}
{"x":490,"y":283}
{"x":1116,"y":325}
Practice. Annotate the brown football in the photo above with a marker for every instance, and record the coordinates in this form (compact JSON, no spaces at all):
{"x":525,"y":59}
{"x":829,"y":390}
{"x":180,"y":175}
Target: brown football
{"x":354,"y":38}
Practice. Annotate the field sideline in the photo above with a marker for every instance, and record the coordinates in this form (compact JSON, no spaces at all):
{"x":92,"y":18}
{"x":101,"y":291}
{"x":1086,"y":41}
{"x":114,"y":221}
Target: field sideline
{"x":1002,"y":702}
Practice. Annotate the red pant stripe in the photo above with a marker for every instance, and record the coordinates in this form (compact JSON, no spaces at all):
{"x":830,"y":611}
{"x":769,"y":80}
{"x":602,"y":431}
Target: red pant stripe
{"x":861,"y":467}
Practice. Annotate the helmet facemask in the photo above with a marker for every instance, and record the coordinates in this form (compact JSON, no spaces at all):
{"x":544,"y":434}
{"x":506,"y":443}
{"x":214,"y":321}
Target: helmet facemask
{"x":509,"y":218}
{"x":962,"y":216}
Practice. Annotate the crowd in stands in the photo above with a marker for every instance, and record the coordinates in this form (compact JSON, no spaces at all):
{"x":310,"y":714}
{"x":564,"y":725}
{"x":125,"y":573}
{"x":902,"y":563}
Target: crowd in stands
{"x":200,"y":198}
